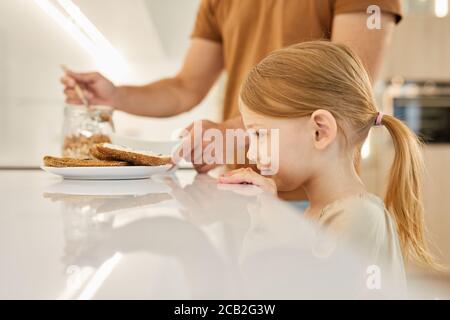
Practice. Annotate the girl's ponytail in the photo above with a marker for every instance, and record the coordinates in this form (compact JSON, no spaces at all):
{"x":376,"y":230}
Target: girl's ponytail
{"x":404,"y":195}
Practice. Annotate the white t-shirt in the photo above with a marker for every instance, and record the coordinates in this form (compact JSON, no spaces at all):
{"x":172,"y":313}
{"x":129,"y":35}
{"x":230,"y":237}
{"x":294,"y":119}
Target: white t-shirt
{"x":363,"y":223}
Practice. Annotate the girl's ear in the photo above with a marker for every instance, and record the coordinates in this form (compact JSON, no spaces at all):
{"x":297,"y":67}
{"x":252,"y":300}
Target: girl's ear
{"x":325,"y":128}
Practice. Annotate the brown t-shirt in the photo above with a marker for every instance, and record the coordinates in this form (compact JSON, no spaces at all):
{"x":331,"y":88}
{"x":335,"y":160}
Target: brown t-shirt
{"x":250,"y":29}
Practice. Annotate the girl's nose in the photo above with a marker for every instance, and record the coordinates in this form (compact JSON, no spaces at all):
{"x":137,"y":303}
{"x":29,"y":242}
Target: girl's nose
{"x":252,"y":153}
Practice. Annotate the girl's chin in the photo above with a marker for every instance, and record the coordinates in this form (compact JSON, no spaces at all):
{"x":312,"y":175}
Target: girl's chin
{"x":284,"y":185}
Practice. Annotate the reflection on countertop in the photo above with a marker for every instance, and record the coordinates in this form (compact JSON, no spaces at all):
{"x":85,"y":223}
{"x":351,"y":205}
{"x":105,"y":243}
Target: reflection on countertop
{"x":179,"y":236}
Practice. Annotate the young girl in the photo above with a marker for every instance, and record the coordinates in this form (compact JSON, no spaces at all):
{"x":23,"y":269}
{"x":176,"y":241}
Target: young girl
{"x":319,"y":96}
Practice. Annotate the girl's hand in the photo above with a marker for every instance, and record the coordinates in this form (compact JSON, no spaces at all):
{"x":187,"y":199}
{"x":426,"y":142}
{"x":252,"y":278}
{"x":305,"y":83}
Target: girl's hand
{"x":247,"y":175}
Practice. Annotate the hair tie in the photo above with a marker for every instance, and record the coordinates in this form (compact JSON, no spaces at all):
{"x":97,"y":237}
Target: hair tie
{"x":379,"y":119}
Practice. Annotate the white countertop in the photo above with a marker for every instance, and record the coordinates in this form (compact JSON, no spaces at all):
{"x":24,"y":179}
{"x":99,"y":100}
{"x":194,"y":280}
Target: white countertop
{"x":179,"y":236}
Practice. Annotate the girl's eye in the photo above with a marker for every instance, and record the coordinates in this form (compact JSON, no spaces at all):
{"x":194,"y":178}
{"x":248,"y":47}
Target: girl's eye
{"x":254,"y":133}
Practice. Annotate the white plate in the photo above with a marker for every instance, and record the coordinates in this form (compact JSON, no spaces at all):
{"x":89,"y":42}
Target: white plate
{"x":107,"y":173}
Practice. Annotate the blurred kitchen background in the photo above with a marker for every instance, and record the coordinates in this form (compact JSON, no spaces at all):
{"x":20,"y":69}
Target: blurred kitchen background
{"x":132,"y":41}
{"x":137,"y":41}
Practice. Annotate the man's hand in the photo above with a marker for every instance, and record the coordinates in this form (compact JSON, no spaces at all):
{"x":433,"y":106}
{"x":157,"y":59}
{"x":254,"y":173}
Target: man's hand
{"x":200,"y":147}
{"x":248,"y":176}
{"x":96,"y":88}
{"x":197,"y":146}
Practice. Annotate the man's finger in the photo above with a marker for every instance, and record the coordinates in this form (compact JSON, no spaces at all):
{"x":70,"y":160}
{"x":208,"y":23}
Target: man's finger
{"x":88,"y":77}
{"x":185,"y":149}
{"x":191,"y":147}
{"x":204,"y":168}
{"x":73,"y":101}
{"x":68,"y":91}
{"x":68,"y":81}
{"x":71,"y":95}
{"x":188,"y":129}
{"x":197,"y":155}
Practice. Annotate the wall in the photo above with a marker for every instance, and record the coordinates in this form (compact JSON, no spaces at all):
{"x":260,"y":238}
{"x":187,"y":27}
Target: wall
{"x":420,"y":48}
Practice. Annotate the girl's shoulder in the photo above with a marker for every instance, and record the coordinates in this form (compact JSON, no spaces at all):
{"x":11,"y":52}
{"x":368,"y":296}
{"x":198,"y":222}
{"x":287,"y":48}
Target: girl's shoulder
{"x":364,"y":213}
{"x":365,"y":201}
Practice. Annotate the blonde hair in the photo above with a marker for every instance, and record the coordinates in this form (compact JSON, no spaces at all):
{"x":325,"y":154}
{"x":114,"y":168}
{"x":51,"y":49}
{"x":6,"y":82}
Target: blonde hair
{"x":297,"y":80}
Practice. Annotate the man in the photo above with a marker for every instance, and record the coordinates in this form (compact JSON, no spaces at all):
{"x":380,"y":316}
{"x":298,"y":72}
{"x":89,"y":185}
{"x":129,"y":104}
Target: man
{"x":234,"y":35}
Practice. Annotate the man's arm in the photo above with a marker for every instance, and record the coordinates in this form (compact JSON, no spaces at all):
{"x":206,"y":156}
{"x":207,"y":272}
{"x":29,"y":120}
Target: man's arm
{"x":351,"y":29}
{"x":202,"y":65}
{"x":164,"y":98}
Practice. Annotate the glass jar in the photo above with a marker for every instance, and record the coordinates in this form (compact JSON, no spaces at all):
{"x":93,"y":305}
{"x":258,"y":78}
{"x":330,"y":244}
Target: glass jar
{"x":85,"y":127}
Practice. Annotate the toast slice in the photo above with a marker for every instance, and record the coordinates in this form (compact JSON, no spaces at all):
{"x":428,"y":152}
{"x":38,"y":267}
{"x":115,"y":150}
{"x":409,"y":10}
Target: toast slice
{"x":110,"y":152}
{"x":72,"y":162}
